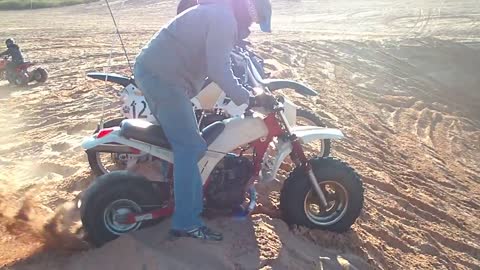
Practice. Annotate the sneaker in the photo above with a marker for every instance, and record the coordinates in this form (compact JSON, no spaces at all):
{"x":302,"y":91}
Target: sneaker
{"x":203,"y":233}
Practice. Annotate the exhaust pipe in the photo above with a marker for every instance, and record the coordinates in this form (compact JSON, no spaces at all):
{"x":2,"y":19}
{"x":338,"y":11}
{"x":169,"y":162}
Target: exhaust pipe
{"x":112,"y":148}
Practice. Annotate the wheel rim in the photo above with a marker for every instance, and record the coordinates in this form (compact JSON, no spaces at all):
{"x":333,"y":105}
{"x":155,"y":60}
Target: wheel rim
{"x":317,"y":147}
{"x":118,"y":208}
{"x":109,"y":162}
{"x":38,"y":76}
{"x":337,"y":204}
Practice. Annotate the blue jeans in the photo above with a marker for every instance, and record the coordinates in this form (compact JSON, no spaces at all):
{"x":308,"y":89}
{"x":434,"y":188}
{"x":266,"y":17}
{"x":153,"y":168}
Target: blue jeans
{"x":174,"y":112}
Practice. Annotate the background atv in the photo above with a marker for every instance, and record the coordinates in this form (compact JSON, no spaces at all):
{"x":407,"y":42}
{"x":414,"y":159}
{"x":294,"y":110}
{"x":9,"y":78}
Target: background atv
{"x":23,"y":74}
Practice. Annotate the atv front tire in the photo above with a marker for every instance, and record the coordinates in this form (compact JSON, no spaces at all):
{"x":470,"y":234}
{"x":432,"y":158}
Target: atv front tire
{"x":343,"y":190}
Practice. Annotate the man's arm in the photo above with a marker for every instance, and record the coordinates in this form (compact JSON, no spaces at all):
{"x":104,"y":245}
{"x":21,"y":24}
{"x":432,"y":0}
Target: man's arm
{"x":219,"y":44}
{"x":5,"y":53}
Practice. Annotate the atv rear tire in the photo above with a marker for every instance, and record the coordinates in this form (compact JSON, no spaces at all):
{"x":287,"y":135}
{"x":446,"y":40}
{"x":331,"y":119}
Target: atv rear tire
{"x":93,"y":159}
{"x":41,"y":75}
{"x":119,"y":192}
{"x":344,"y":196}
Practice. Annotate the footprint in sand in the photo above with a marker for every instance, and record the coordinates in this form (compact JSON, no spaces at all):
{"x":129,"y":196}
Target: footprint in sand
{"x":59,"y":147}
{"x":78,"y":127}
{"x":49,"y":167}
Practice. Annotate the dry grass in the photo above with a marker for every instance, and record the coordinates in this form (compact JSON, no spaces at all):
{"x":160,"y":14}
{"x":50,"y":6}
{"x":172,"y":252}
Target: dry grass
{"x":34,"y":4}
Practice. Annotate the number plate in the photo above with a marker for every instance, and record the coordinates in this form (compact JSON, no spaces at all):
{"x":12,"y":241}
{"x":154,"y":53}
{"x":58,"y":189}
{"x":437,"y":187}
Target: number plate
{"x":135,"y":106}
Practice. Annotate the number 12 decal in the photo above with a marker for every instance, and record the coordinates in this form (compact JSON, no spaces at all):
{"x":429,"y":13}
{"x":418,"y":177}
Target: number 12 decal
{"x":134,"y":109}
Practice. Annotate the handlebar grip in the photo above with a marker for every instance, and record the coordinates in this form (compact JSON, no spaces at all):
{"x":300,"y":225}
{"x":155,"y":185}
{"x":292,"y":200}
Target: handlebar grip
{"x":251,"y":104}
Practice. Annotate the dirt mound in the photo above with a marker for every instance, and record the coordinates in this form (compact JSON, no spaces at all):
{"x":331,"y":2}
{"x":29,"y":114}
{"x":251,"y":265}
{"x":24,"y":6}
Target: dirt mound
{"x":251,"y":244}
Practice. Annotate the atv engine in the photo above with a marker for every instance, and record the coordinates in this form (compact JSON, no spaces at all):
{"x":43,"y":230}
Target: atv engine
{"x":226,"y":187}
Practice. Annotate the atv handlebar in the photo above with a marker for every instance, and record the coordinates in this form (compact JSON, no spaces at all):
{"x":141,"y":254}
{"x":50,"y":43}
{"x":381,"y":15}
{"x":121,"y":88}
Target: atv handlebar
{"x":257,"y":80}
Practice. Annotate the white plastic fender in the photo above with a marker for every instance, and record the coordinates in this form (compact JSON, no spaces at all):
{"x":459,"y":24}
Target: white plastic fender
{"x":114,"y":137}
{"x":312,"y":133}
{"x":238,"y":131}
{"x":306,"y":134}
{"x":92,"y":141}
{"x":290,"y":111}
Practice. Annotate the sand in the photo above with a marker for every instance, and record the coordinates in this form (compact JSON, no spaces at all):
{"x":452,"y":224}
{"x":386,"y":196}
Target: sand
{"x":400,"y":79}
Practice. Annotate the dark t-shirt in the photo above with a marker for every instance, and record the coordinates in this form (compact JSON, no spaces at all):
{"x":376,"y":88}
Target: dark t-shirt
{"x":14,"y":52}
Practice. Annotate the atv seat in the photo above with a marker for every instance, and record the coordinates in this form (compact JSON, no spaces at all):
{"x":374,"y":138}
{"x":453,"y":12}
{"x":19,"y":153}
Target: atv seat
{"x":24,"y":65}
{"x":147,"y":132}
{"x":144,"y":131}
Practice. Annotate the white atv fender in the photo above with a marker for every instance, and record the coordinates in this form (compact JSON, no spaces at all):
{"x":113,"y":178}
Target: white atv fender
{"x":306,"y":134}
{"x":119,"y":144}
{"x":238,"y":131}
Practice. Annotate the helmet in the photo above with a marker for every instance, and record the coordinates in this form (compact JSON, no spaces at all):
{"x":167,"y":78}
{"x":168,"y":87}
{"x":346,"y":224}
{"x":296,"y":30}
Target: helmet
{"x":9,"y":41}
{"x":264,"y":14}
{"x":185,"y":4}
